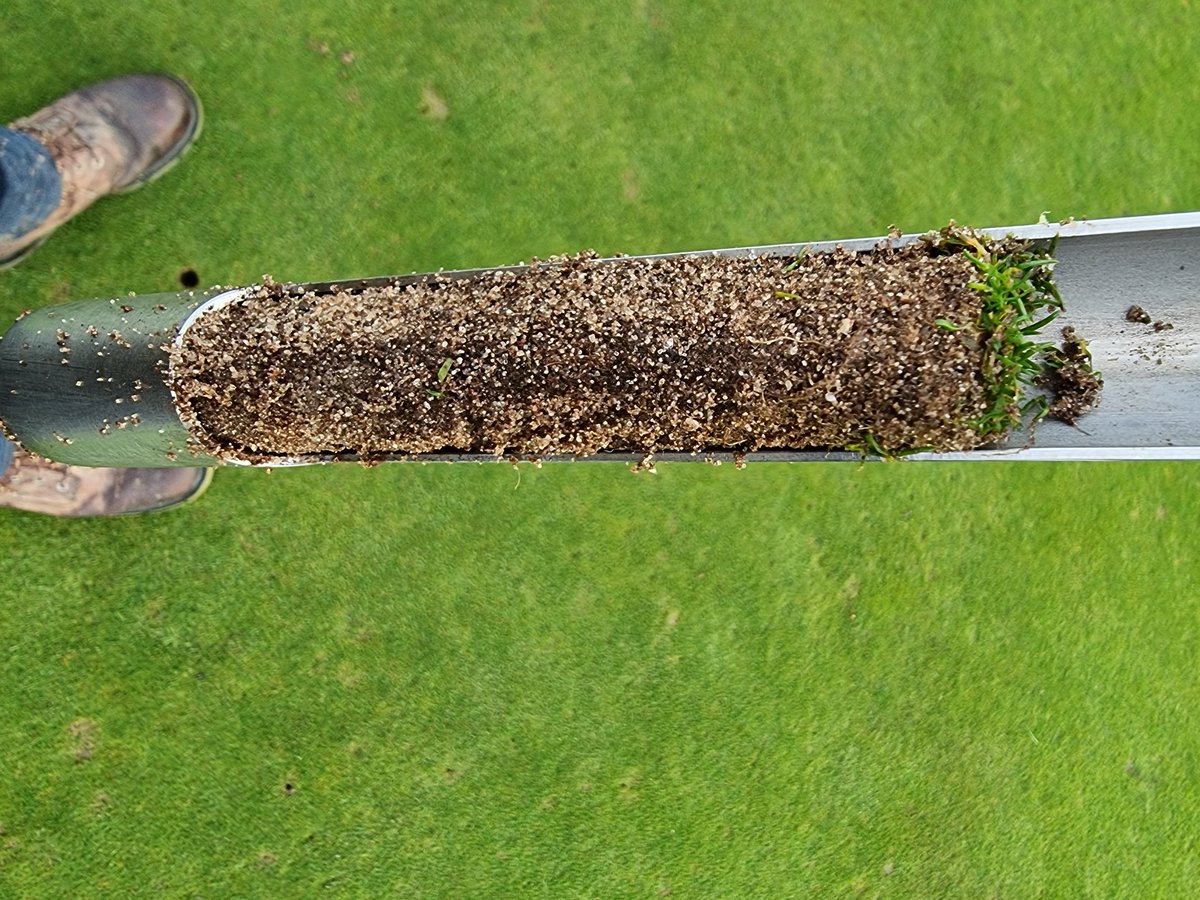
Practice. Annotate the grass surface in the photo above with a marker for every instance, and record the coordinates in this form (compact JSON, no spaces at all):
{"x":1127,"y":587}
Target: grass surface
{"x":897,"y":680}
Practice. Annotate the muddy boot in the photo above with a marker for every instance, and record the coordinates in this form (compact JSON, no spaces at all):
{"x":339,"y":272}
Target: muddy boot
{"x":38,"y":485}
{"x":108,"y":138}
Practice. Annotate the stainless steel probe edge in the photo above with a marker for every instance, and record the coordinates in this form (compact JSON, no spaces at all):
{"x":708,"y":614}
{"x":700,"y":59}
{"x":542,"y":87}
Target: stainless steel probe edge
{"x":85,"y":383}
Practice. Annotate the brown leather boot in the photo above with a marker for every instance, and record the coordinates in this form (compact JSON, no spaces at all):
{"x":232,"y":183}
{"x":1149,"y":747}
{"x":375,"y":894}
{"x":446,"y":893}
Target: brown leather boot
{"x":108,"y":138}
{"x":35,"y":484}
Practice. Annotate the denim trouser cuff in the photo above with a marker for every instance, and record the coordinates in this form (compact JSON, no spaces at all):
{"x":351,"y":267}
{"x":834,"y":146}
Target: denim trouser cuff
{"x":7,"y":448}
{"x":30,"y":185}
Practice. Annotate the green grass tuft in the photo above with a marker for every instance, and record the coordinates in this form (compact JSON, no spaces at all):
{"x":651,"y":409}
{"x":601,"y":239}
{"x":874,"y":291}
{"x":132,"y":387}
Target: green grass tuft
{"x":1019,"y":300}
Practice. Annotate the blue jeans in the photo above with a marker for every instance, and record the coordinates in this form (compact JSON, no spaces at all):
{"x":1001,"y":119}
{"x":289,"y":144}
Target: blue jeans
{"x":6,"y":454}
{"x":30,"y":186}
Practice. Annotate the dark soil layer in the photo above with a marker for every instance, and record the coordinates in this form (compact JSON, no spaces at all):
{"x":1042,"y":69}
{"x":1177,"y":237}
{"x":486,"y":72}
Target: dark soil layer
{"x":1073,"y":383}
{"x":576,"y":356}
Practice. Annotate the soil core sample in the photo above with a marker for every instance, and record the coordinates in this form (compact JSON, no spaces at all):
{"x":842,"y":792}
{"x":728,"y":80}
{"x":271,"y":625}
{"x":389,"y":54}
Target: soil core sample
{"x":887,"y":350}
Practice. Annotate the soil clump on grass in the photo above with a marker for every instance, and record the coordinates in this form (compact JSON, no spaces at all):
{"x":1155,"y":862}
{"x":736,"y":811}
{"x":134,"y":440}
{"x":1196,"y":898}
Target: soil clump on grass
{"x":879,"y":351}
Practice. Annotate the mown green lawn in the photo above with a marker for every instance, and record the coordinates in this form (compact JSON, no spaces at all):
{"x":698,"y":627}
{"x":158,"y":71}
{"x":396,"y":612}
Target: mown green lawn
{"x":812,"y":680}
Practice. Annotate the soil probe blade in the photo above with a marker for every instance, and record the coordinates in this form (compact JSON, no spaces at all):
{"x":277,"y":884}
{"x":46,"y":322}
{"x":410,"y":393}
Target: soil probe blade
{"x":85,"y":383}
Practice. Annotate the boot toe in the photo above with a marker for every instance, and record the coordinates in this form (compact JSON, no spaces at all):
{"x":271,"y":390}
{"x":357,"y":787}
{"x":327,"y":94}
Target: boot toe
{"x":159,"y":113}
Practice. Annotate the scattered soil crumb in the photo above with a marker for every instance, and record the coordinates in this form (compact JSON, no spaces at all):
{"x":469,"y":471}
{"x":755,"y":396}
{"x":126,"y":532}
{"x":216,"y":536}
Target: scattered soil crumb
{"x":575,"y":356}
{"x":266,"y":860}
{"x":1073,"y":383}
{"x":432,"y":106}
{"x":1139,"y":315}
